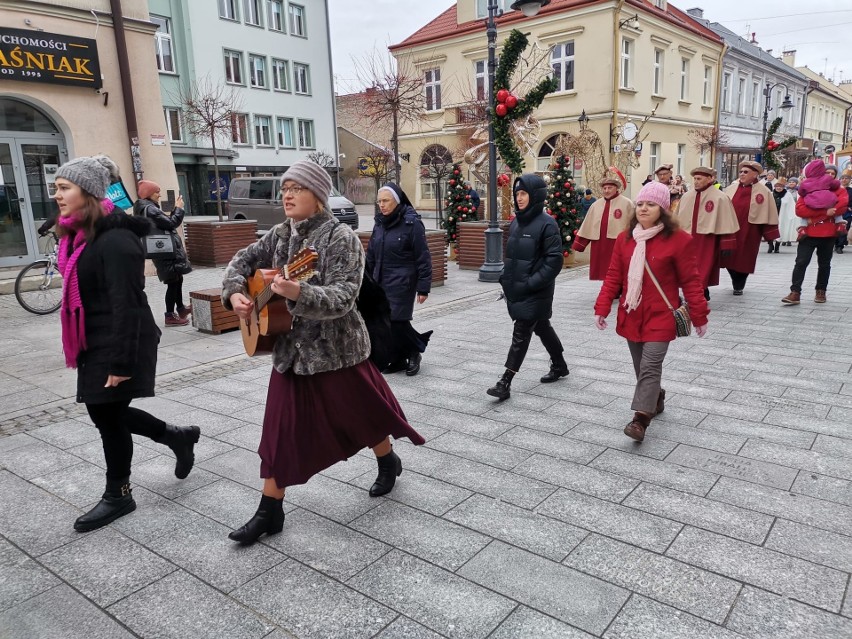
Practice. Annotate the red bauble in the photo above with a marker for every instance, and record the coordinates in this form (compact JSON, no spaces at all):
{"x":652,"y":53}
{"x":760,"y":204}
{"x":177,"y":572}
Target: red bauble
{"x":502,"y":94}
{"x":511,"y":101}
{"x":563,"y":210}
{"x":565,"y":253}
{"x":467,"y":197}
{"x":458,"y":208}
{"x":501,"y":110}
{"x":456,"y":172}
{"x":452,"y":182}
{"x":567,"y":185}
{"x":454,"y":236}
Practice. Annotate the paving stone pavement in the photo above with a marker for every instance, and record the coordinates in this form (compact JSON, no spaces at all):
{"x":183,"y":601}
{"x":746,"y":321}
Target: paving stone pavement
{"x":528,"y":519}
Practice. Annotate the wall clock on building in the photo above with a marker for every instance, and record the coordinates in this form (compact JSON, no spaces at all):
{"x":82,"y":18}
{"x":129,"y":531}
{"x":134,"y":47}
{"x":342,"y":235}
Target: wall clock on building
{"x":629,"y":131}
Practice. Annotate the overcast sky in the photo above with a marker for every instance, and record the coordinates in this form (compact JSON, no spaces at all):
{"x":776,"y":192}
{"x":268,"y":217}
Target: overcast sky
{"x":817,"y":29}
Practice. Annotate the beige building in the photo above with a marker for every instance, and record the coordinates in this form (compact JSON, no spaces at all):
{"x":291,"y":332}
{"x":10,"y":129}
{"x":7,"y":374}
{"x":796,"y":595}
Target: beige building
{"x":61,"y":96}
{"x":614,"y":60}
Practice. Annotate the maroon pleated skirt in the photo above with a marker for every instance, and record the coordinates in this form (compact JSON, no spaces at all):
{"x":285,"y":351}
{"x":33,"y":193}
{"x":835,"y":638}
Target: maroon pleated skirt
{"x":314,"y":421}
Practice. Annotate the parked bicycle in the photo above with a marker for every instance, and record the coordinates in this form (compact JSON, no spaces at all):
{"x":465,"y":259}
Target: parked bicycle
{"x":38,"y":287}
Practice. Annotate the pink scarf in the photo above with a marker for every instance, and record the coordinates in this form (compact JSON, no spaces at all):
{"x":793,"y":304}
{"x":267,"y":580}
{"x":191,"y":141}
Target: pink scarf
{"x":636,"y":271}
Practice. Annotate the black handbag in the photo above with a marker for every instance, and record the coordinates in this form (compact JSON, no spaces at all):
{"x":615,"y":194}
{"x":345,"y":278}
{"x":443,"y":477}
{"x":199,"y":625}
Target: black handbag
{"x":159,"y":246}
{"x":683,"y":323}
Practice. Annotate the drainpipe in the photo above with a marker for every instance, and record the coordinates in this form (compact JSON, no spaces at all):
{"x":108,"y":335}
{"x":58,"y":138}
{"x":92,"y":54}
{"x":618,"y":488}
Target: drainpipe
{"x":126,"y":88}
{"x":616,"y":63}
{"x":718,"y":116}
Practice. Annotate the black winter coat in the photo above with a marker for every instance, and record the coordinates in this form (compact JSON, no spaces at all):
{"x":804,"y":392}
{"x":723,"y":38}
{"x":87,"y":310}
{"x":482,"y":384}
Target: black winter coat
{"x":167,"y":269}
{"x":533,"y":256}
{"x":398,"y":258}
{"x":121,"y":335}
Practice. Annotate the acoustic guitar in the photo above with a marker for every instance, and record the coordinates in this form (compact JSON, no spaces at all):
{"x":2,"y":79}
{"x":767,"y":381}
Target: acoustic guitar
{"x":270,"y":317}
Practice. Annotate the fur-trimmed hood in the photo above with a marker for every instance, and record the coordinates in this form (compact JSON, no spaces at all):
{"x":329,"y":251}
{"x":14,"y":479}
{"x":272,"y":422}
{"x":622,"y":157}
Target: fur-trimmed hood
{"x":120,"y":220}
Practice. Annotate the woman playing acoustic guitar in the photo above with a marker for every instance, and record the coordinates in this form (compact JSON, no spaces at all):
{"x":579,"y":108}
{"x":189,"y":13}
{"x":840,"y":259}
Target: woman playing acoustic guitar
{"x":326,"y":400}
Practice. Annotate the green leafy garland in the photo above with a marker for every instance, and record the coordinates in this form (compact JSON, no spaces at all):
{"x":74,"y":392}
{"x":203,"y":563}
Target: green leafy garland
{"x":457,"y":205}
{"x":562,"y":202}
{"x":771,"y":147}
{"x":509,"y":58}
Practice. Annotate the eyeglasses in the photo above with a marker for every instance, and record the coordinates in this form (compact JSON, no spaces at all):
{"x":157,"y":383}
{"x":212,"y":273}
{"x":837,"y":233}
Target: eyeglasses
{"x":295,"y":190}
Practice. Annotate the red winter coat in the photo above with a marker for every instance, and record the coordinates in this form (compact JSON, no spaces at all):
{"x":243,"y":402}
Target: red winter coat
{"x":675,"y":268}
{"x":820,"y":224}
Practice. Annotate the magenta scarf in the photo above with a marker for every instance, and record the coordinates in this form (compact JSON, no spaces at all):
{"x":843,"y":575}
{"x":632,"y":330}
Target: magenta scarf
{"x":72,"y":315}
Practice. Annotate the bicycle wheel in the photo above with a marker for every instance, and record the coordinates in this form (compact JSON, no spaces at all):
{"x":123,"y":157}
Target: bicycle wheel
{"x":38,"y":288}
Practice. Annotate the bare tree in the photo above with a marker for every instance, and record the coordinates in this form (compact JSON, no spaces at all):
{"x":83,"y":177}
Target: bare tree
{"x":436,"y":163}
{"x":323,"y":158}
{"x":377,"y":164}
{"x":394,"y":91}
{"x":708,"y":138}
{"x":209,"y":111}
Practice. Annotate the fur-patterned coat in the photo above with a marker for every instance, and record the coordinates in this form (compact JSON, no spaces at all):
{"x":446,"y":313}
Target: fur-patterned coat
{"x":328,"y":332}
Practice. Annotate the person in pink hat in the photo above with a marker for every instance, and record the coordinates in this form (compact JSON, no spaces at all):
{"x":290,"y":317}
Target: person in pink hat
{"x":653,"y":246}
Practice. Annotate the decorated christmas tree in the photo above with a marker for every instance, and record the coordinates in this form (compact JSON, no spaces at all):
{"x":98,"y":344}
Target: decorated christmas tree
{"x":458,"y":207}
{"x":562,"y":202}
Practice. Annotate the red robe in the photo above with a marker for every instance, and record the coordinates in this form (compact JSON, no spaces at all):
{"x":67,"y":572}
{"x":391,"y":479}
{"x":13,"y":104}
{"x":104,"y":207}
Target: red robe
{"x":707,"y":247}
{"x":750,"y":236}
{"x":601,"y":251}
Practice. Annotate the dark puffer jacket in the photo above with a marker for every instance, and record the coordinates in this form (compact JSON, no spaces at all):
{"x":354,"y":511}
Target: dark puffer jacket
{"x":533,"y":255}
{"x":121,"y":334}
{"x":167,"y":269}
{"x":398,"y":257}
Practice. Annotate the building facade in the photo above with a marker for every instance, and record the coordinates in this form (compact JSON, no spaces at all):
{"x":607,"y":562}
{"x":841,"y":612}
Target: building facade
{"x":617,"y":62}
{"x":62,"y":96}
{"x":272,"y":60}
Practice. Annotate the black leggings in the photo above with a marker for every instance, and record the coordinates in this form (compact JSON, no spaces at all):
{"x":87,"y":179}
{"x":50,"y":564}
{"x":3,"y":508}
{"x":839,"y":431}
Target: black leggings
{"x":117,"y":422}
{"x":174,"y":294}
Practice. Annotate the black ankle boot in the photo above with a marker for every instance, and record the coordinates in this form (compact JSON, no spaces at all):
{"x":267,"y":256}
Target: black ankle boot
{"x":502,"y":389}
{"x":116,"y":502}
{"x":777,"y":245}
{"x":557,"y":370}
{"x":182,"y":440}
{"x":390,"y":467}
{"x":268,"y":519}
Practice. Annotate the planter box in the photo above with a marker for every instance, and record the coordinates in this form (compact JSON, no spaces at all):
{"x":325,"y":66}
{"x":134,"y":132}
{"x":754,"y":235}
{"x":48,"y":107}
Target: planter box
{"x":437,"y":249}
{"x":211,"y":243}
{"x":471,"y":243}
{"x":208,"y":314}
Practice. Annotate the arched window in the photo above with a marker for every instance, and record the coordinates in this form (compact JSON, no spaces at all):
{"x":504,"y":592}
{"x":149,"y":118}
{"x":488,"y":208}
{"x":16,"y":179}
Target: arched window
{"x":436,"y":163}
{"x":545,"y":158}
{"x":23,"y":118}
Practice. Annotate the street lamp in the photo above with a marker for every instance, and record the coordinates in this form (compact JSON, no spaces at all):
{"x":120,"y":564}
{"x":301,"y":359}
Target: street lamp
{"x":493,"y":266}
{"x":786,"y":105}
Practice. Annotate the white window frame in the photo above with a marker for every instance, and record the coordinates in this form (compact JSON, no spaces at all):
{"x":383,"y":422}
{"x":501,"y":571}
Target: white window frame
{"x":432,"y":89}
{"x":727,"y":77}
{"x":659,"y":62}
{"x":238,"y":119}
{"x":482,"y":7}
{"x":229,"y":10}
{"x":279,"y":133}
{"x":229,"y":57}
{"x":297,"y":21}
{"x":741,"y":95}
{"x":681,"y":158}
{"x":480,"y":80}
{"x":277,"y":64}
{"x":654,"y":157}
{"x":263,"y":130}
{"x":174,"y":117}
{"x":257,"y":75}
{"x":702,"y":157}
{"x":708,"y":84}
{"x":755,"y":98}
{"x":306,"y":129}
{"x":684,"y":79}
{"x":564,"y":61}
{"x":279,"y":17}
{"x":626,"y":64}
{"x":162,"y":40}
{"x":300,"y":79}
{"x":253,"y":12}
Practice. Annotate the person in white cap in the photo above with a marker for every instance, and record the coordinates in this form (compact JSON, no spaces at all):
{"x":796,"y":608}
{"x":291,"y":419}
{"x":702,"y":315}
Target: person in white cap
{"x":606,"y":218}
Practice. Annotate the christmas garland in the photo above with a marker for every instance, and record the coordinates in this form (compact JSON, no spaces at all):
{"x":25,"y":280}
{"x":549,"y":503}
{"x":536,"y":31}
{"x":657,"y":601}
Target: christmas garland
{"x":770,"y":146}
{"x":509,"y":107}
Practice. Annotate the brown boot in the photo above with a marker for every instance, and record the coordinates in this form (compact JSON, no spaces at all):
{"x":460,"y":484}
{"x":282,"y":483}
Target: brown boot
{"x":637,"y":427}
{"x":793,"y":298}
{"x":173,"y":319}
{"x":819,"y":298}
{"x":661,"y":401}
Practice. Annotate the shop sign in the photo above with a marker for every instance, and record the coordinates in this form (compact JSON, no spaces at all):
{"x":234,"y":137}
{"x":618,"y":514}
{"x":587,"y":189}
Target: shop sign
{"x":36,"y":56}
{"x":158,"y":139}
{"x":825,"y":136}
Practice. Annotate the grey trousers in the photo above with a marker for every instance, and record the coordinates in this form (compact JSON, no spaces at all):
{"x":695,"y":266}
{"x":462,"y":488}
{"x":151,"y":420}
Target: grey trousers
{"x":648,"y":363}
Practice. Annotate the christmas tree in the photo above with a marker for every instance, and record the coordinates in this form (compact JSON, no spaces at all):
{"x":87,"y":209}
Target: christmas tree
{"x":562,"y":202}
{"x":457,"y":204}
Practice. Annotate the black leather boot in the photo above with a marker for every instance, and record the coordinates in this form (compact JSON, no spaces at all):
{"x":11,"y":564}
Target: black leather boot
{"x":390,"y":467}
{"x":413,"y":365}
{"x":116,"y":502}
{"x":268,"y":519}
{"x":502,"y":389}
{"x":182,"y":440}
{"x":557,"y":369}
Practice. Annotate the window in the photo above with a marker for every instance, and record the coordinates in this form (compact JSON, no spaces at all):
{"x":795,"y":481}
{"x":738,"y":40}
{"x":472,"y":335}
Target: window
{"x":684,"y":79}
{"x":432,"y":89}
{"x":482,"y":8}
{"x":660,"y":4}
{"x":726,"y":92}
{"x":302,"y":78}
{"x":741,"y":96}
{"x":480,"y":79}
{"x":562,"y":60}
{"x":755,"y":98}
{"x":239,"y":128}
{"x":284,"y":129}
{"x":228,"y":9}
{"x":297,"y":20}
{"x":681,"y":153}
{"x":708,"y":86}
{"x":655,"y":156}
{"x":234,"y":67}
{"x":173,"y":124}
{"x":276,"y":15}
{"x":163,"y":44}
{"x":263,"y":130}
{"x":658,"y":71}
{"x":702,"y":157}
{"x":306,"y":134}
{"x":252,"y":12}
{"x":257,"y":69}
{"x":626,"y":63}
{"x":280,"y":75}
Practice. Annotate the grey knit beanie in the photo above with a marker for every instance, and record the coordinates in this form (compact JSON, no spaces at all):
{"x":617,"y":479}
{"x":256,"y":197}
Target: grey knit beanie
{"x":311,"y":176}
{"x":92,"y":174}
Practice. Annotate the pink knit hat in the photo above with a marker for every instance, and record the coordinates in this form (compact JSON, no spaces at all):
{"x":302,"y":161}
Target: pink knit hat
{"x":655,"y":192}
{"x":146,"y":188}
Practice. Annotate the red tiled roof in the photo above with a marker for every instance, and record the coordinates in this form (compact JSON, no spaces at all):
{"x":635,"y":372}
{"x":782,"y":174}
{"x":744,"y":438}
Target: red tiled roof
{"x":446,"y":26}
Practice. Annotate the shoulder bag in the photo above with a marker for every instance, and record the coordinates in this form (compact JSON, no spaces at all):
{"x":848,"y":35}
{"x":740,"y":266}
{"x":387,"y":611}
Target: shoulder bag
{"x":159,"y":246}
{"x":683,"y":323}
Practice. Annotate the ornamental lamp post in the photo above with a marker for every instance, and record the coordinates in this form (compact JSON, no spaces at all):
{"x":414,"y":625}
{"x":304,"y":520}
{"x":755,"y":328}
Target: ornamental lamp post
{"x":493,"y":266}
{"x":785,"y":105}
